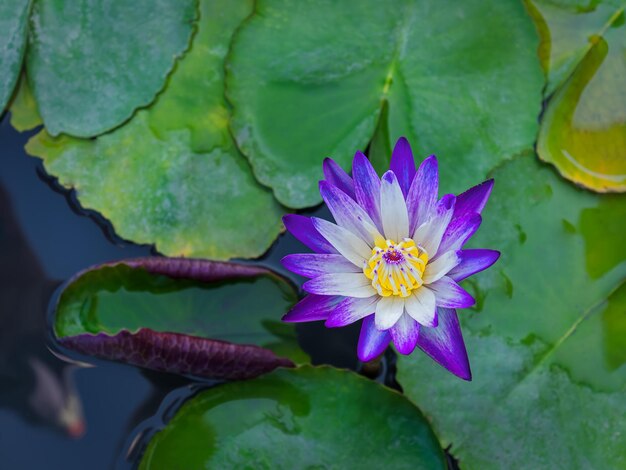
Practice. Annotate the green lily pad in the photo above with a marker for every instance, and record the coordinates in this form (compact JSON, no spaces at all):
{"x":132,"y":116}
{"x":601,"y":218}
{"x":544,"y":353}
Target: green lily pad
{"x":566,"y":30}
{"x":13,"y":34}
{"x":549,"y":369}
{"x":307,"y":81}
{"x":24,"y":114}
{"x":305,"y":418}
{"x":172,"y":176}
{"x":227,"y":302}
{"x":92,"y":63}
{"x":583,"y":132}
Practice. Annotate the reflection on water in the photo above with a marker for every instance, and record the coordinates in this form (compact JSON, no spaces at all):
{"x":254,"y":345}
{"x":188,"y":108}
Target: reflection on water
{"x":35,"y":383}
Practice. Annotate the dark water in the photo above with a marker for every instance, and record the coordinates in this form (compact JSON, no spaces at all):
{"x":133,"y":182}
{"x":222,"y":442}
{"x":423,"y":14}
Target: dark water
{"x":44,"y":239}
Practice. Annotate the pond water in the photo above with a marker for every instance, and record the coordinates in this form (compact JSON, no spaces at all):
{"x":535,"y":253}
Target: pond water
{"x":45,"y":238}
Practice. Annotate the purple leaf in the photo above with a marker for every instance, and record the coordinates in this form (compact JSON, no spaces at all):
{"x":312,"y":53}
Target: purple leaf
{"x":179,"y":354}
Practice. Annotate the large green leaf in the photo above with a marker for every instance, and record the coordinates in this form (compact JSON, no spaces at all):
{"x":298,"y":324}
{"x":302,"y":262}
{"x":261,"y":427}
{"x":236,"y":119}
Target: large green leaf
{"x":92,"y":63}
{"x":13,"y":33}
{"x":583,"y":132}
{"x":220,"y":301}
{"x":546,"y":342}
{"x":307,"y":80}
{"x":297,"y":419}
{"x":172,"y":175}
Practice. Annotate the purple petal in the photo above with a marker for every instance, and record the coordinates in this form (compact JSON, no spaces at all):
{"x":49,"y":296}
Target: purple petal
{"x":404,"y":334}
{"x":473,"y":261}
{"x":312,"y":308}
{"x":302,"y":228}
{"x":315,"y":264}
{"x":372,"y":342}
{"x":351,"y":310}
{"x":402,"y":164}
{"x":449,"y":294}
{"x":367,"y":187}
{"x":445,"y":344}
{"x":179,"y":353}
{"x":473,"y":200}
{"x":336,"y":176}
{"x":459,"y":231}
{"x":423,"y":194}
{"x":348,"y":214}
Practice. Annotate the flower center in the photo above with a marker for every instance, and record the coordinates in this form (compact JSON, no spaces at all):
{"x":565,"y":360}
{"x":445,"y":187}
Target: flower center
{"x":396,"y":268}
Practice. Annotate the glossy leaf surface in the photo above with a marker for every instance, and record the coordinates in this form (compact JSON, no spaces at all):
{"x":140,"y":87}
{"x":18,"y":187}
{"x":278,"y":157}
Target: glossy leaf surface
{"x":172,"y":176}
{"x":307,"y":81}
{"x":583,"y":132}
{"x":549,"y":372}
{"x":92,"y":63}
{"x":304,"y":418}
{"x":220,"y":302}
{"x":13,"y":34}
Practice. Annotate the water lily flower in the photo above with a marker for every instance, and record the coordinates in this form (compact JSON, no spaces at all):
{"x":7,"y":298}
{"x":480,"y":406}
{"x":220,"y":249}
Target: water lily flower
{"x":393,"y":258}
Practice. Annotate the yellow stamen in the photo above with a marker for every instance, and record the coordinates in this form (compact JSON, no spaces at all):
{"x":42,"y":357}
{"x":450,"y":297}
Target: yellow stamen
{"x":396,"y":268}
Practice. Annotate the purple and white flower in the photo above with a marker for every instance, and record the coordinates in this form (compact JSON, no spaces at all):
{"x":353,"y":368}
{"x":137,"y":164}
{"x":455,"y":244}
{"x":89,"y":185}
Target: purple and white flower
{"x":393,"y":258}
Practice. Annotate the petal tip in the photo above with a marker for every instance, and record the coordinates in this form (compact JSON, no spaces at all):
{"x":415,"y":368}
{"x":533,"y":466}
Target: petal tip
{"x":389,"y":177}
{"x":406,"y":348}
{"x":465,"y":374}
{"x":431,"y":160}
{"x":359,"y":155}
{"x":447,"y":201}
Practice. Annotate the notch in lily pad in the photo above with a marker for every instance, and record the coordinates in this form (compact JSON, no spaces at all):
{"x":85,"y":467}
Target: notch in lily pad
{"x":193,"y":317}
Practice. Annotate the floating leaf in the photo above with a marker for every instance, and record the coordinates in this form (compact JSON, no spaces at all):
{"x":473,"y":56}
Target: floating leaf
{"x":179,"y":354}
{"x":307,"y":80}
{"x":172,"y":175}
{"x":13,"y":33}
{"x":549,"y":388}
{"x":92,"y":63}
{"x":566,"y":31}
{"x":24,"y":114}
{"x":305,"y":418}
{"x":180,"y":315}
{"x":583,"y":132}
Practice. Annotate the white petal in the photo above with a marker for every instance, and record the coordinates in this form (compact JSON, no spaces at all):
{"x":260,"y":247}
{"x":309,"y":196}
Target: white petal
{"x":349,"y":245}
{"x":388,"y":311}
{"x":429,"y":234}
{"x":421,"y":306}
{"x":393,"y":208}
{"x":435,"y":270}
{"x":348,"y":214}
{"x":347,"y":284}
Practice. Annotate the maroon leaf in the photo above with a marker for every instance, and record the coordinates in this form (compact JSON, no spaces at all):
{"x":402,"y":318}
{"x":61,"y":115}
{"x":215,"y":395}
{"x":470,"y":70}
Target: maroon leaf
{"x":188,"y":268}
{"x":187,"y":316}
{"x":179,"y":353}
